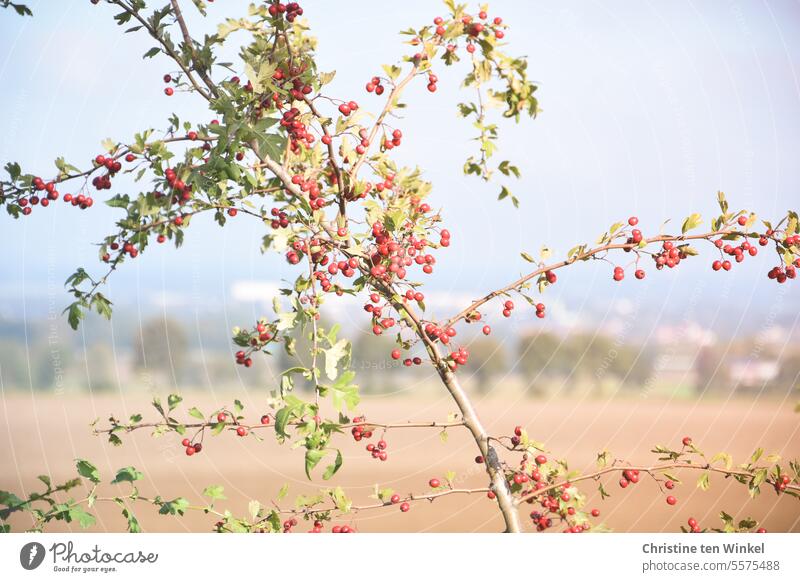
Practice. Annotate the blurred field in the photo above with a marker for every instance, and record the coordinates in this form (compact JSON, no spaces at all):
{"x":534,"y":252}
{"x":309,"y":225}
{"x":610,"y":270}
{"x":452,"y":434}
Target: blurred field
{"x":44,"y":433}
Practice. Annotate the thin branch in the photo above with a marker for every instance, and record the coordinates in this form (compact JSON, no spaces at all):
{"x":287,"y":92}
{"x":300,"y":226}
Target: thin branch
{"x":652,"y":470}
{"x":189,"y":42}
{"x":576,"y":258}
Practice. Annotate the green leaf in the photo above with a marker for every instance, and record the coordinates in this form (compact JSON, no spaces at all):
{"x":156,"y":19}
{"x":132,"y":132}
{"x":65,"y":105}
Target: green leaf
{"x":127,"y":474}
{"x":74,"y":314}
{"x":283,"y":492}
{"x":85,"y":519}
{"x":313,"y":457}
{"x":253,"y":508}
{"x":337,"y":352}
{"x":341,"y":501}
{"x":331,"y":470}
{"x":692,"y":221}
{"x":703,"y":482}
{"x":133,"y":523}
{"x":87,"y":470}
{"x":345,"y":393}
{"x":214,"y":492}
{"x":195,"y":413}
{"x":725,"y":457}
{"x":325,"y":78}
{"x":723,"y":204}
{"x":173,"y":400}
{"x":175,"y":507}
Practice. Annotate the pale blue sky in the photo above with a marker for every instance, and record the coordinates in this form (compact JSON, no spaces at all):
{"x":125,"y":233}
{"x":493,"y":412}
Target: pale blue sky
{"x":648,"y":108}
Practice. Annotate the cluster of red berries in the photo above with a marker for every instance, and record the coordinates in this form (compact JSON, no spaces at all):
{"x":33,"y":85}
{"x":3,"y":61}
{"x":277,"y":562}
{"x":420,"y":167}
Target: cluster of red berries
{"x":113,"y":166}
{"x":374,"y":84}
{"x":619,"y":272}
{"x":280,"y":219}
{"x":458,"y":358}
{"x":348,"y":107}
{"x":434,"y":332}
{"x":191,"y":448}
{"x":50,"y":194}
{"x":127,"y":249}
{"x":168,"y":91}
{"x":345,"y":529}
{"x":782,"y":483}
{"x":362,"y":431}
{"x":542,"y":522}
{"x":298,"y":132}
{"x":397,"y":354}
{"x":781,"y":274}
{"x":472,"y":28}
{"x":260,"y":337}
{"x":515,"y":440}
{"x":377,"y":450}
{"x":290,"y":11}
{"x":432,"y":80}
{"x":361,"y":148}
{"x":395,"y":141}
{"x":737,"y":252}
{"x":182,"y":192}
{"x":694,"y":527}
{"x":629,"y":476}
{"x":527,"y":473}
{"x":389,"y":257}
{"x":312,"y":189}
{"x":670,"y":256}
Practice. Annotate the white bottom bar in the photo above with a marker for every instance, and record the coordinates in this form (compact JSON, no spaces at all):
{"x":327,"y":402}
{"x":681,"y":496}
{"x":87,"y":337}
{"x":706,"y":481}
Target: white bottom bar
{"x":400,"y":556}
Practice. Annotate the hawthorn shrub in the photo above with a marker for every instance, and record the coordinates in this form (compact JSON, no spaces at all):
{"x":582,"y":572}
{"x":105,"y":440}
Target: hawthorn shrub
{"x":320,"y":177}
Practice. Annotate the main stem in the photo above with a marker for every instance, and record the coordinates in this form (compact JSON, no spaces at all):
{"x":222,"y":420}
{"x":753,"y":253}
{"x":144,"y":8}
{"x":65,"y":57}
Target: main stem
{"x":493,"y":468}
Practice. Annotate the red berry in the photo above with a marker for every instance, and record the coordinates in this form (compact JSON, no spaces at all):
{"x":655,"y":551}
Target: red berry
{"x":687,"y":441}
{"x":595,"y":513}
{"x":189,"y":451}
{"x":633,"y":221}
{"x":395,"y":498}
{"x":541,"y":459}
{"x":404,"y":507}
{"x":265,"y":419}
{"x":669,"y":484}
{"x":169,"y":91}
{"x":221,"y":417}
{"x":671,"y":500}
{"x":241,"y":431}
{"x":434,"y":483}
{"x":186,"y":442}
{"x":742,"y":220}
